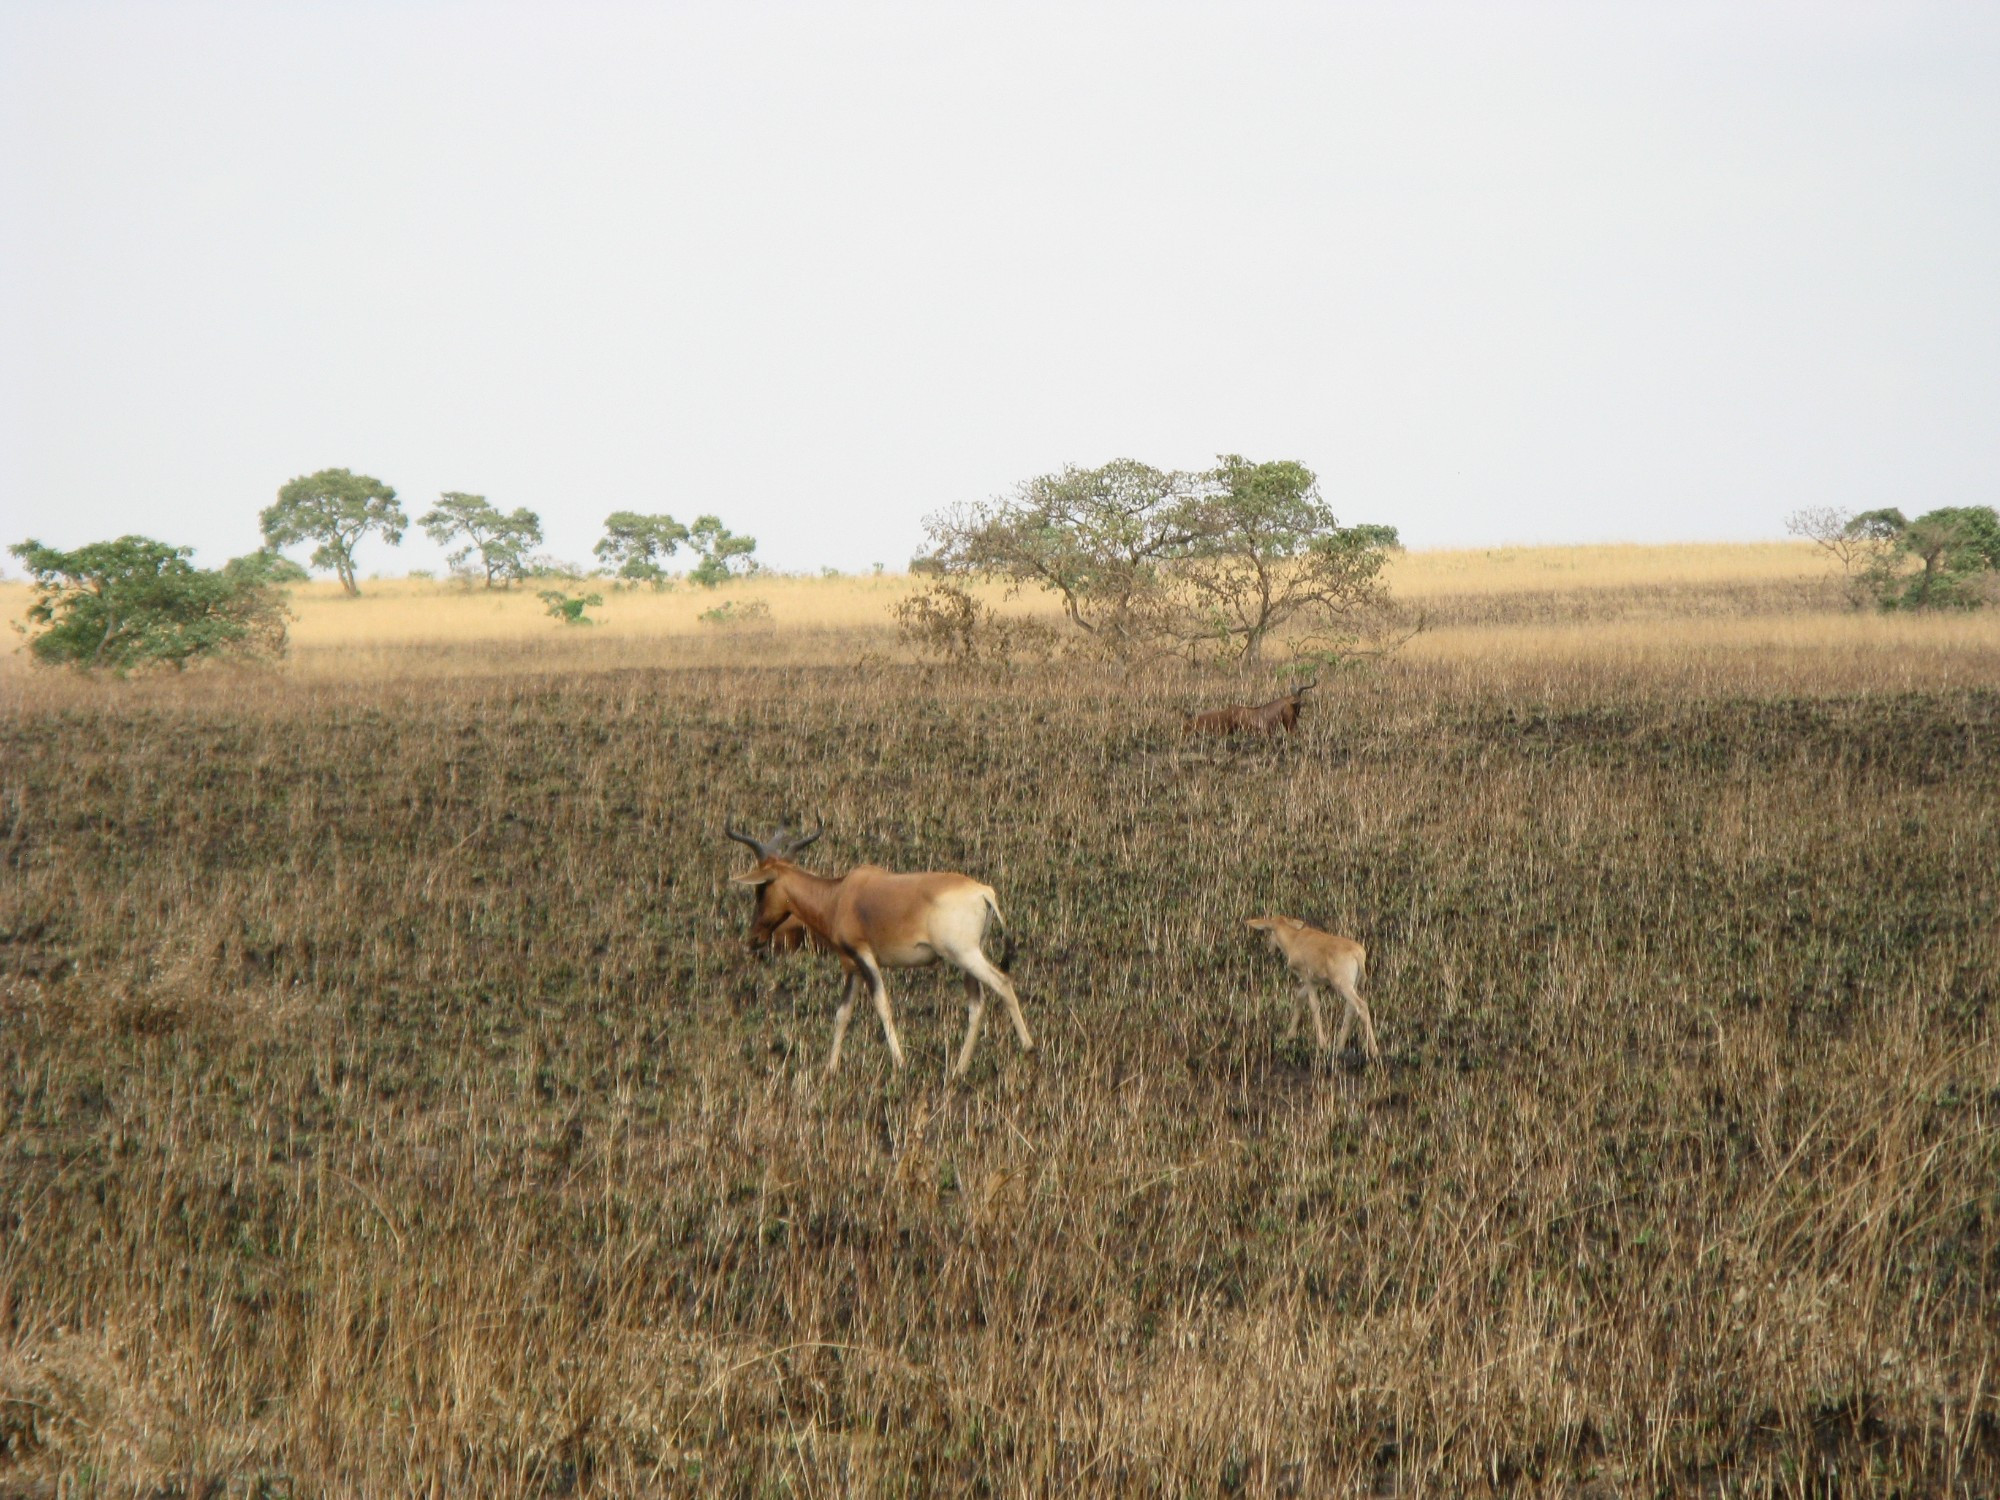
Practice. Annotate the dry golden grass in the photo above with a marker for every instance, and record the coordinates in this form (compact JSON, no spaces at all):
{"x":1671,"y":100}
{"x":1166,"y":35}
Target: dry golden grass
{"x":392,"y":1107}
{"x":407,"y":619}
{"x":1531,"y":570}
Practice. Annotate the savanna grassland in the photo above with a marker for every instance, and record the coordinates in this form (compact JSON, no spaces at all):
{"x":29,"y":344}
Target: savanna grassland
{"x":392,"y":1107}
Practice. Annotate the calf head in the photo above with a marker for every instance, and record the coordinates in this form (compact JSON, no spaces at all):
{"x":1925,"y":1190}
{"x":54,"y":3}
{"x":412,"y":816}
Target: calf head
{"x":1276,"y":928}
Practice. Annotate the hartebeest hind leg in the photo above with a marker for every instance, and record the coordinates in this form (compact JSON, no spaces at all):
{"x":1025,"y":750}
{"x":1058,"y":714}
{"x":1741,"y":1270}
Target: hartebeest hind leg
{"x":981,"y":976}
{"x":975,"y":1011}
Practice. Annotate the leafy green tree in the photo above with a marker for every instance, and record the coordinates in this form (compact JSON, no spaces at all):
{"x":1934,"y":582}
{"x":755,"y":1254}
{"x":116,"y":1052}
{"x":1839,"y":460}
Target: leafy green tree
{"x":1955,"y":550}
{"x":635,"y":546}
{"x":502,"y":541}
{"x":336,"y":509}
{"x":724,"y":555}
{"x":137,"y":603}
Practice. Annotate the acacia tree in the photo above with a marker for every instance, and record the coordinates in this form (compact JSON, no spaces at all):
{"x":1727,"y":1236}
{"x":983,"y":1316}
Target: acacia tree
{"x":135,"y":603}
{"x":1095,"y":538}
{"x":336,"y":509}
{"x":1149,"y":559}
{"x":724,"y":555}
{"x":502,"y":541}
{"x":1264,"y":551}
{"x":636,"y":545}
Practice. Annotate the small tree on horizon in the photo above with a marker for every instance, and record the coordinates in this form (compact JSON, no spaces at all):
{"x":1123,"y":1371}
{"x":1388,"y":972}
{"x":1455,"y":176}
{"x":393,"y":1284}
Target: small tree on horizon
{"x":336,"y":509}
{"x":502,"y":541}
{"x":724,"y":555}
{"x":634,"y":546}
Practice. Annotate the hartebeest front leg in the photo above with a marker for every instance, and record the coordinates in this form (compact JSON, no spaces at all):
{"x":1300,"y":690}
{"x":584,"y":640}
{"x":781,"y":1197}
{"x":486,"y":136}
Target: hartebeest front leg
{"x":840,"y":1019}
{"x":878,"y":991}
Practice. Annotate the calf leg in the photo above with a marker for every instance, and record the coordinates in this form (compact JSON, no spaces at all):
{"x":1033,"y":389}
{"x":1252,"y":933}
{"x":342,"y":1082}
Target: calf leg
{"x":1311,"y":995}
{"x":1357,"y":1010}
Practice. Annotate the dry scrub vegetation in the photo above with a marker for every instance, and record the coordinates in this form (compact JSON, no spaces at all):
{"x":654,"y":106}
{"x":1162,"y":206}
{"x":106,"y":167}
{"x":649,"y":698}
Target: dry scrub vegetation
{"x":392,"y":1108}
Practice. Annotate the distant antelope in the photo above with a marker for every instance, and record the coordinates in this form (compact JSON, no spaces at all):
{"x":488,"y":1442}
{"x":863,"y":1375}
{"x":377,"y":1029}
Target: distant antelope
{"x":1264,"y":718}
{"x":1313,"y":956}
{"x":875,"y":920}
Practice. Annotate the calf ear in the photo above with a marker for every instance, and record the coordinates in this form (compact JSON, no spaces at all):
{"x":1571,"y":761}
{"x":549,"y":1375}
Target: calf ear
{"x":754,"y":877}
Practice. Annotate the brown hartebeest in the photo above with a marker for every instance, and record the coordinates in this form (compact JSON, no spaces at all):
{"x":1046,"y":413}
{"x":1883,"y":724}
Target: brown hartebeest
{"x":875,"y":920}
{"x":1263,"y":718}
{"x":1314,"y":955}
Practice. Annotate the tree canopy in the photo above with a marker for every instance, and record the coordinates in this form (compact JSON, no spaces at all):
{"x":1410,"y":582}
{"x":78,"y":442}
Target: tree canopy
{"x":336,"y":509}
{"x":501,"y":541}
{"x":135,"y":602}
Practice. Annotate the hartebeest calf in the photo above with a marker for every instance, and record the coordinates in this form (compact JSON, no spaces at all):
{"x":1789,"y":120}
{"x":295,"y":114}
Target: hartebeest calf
{"x":875,"y":920}
{"x":1263,"y":718}
{"x":1314,"y":956}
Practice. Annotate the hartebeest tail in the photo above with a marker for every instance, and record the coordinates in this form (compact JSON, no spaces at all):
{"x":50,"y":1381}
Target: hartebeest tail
{"x":1263,"y":718}
{"x":875,"y":920}
{"x":1314,"y":955}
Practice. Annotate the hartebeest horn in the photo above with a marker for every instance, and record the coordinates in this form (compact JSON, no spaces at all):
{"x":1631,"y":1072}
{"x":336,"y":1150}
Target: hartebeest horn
{"x":744,"y":838}
{"x":1305,"y":687}
{"x":795,"y":842}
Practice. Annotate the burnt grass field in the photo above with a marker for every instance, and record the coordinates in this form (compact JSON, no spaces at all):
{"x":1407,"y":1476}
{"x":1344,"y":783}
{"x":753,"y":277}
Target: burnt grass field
{"x":392,"y":1106}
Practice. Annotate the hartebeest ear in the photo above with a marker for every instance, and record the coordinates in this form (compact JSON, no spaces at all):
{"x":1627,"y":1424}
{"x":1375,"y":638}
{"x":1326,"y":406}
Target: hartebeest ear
{"x":754,"y":877}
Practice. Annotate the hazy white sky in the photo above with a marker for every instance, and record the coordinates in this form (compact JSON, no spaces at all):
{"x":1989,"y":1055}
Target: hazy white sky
{"x":1499,"y":272}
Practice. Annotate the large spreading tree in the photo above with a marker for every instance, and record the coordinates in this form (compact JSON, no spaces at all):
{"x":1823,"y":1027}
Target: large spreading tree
{"x":1213,"y":562}
{"x":134,"y":602}
{"x":335,"y":509}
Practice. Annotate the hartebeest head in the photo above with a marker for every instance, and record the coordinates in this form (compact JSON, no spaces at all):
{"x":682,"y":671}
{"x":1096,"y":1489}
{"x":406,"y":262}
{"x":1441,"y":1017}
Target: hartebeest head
{"x":773,"y":923}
